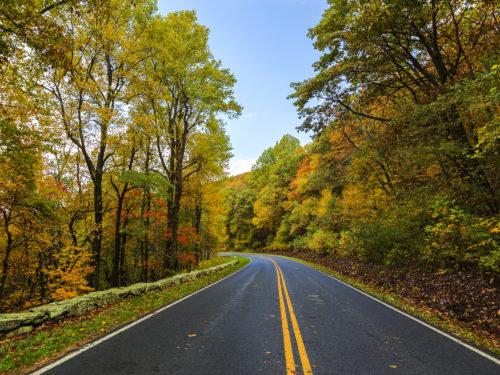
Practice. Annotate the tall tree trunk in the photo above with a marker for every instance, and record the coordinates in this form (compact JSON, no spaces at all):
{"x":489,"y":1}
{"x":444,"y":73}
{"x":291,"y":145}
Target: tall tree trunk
{"x":145,"y":206}
{"x":97,"y":234}
{"x":41,"y":280}
{"x":123,"y":264}
{"x":173,"y":229}
{"x":170,"y":224}
{"x":117,"y":244}
{"x":174,"y":223}
{"x":172,"y":216}
{"x":8,"y":249}
{"x":197,"y":224}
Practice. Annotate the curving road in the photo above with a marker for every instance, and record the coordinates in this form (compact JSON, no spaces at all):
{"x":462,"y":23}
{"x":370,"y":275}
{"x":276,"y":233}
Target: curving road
{"x":277,"y":316}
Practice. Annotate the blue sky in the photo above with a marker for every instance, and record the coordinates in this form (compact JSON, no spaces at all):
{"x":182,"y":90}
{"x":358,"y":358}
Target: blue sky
{"x":265,"y":45}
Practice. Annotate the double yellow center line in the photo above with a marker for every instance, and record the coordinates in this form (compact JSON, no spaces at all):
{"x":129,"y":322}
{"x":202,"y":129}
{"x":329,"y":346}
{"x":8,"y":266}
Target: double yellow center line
{"x":290,"y":363}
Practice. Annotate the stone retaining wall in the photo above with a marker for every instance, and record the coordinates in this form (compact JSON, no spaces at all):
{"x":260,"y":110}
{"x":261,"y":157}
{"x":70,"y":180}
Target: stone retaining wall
{"x":18,"y":323}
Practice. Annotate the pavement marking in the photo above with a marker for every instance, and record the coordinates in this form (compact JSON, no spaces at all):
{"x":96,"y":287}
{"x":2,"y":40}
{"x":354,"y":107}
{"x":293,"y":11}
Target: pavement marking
{"x":452,"y":338}
{"x":306,"y":366}
{"x":290,"y":362}
{"x":90,"y":345}
{"x":290,"y":366}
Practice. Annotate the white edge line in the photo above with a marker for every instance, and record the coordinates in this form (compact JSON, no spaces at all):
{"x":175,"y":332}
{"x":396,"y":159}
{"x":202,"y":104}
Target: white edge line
{"x":470,"y":347}
{"x":90,"y":345}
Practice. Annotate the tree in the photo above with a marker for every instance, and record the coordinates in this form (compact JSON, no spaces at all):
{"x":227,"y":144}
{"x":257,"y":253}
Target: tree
{"x":261,"y":169}
{"x":398,"y":62}
{"x":123,"y":183}
{"x":90,"y":91}
{"x":36,"y":24}
{"x":111,"y":145}
{"x":188,"y":89}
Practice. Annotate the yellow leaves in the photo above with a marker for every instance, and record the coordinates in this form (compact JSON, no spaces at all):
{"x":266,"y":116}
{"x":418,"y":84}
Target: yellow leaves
{"x":68,"y":279}
{"x":495,"y":230}
{"x":323,"y":204}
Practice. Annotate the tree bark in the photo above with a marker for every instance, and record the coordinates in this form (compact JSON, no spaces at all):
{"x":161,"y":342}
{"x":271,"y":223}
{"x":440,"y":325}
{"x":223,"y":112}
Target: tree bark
{"x":117,"y":244}
{"x":97,"y":232}
{"x":8,"y":249}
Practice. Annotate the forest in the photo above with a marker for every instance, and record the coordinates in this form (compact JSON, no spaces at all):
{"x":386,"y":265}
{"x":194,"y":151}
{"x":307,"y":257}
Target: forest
{"x":401,"y":182}
{"x":114,"y":153}
{"x":111,"y":146}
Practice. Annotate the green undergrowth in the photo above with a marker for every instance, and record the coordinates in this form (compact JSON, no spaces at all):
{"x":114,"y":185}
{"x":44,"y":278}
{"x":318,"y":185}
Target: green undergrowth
{"x":212,"y":262}
{"x":428,"y":316}
{"x":24,"y":353}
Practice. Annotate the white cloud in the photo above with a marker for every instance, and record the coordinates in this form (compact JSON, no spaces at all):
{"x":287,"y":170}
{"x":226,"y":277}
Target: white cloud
{"x":250,"y":115}
{"x":237,"y":166}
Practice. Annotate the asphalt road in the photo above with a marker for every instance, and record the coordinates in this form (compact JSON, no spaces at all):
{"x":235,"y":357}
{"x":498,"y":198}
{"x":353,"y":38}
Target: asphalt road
{"x":237,"y":327}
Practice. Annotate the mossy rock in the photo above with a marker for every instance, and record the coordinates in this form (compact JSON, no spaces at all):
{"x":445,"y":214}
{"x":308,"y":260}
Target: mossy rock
{"x":153,"y":286}
{"x":9,"y":322}
{"x":195,"y":274}
{"x":177,"y":279}
{"x":166,"y":283}
{"x":53,"y":310}
{"x":104,"y":297}
{"x":19,"y":331}
{"x":186,"y":277}
{"x":137,"y":289}
{"x":80,"y":305}
{"x":120,"y":292}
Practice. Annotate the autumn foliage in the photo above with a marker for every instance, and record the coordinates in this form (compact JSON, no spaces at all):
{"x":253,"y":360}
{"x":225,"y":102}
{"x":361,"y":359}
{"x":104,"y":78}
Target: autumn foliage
{"x":402,"y":175}
{"x":111,"y":145}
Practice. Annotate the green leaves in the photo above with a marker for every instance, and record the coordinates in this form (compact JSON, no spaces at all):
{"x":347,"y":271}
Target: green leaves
{"x":110,"y":144}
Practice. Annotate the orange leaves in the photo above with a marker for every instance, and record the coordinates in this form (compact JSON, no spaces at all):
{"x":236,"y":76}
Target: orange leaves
{"x":188,"y":236}
{"x":302,"y":174}
{"x":68,"y":278}
{"x":187,"y":259}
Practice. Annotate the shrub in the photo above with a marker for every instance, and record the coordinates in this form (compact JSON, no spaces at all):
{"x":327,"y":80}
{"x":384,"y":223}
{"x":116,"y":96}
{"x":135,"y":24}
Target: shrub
{"x":324,"y":242}
{"x":301,"y":243}
{"x":456,"y":238}
{"x":395,"y":236}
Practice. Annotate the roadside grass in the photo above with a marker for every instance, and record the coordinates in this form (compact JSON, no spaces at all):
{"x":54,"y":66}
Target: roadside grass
{"x":25,"y":353}
{"x":428,"y":315}
{"x":213,"y":261}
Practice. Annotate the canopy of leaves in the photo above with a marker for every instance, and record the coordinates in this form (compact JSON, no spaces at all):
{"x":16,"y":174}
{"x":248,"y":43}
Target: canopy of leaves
{"x":111,"y":146}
